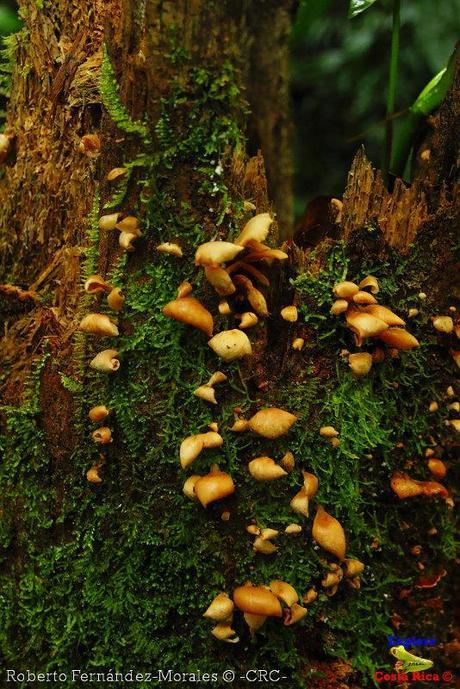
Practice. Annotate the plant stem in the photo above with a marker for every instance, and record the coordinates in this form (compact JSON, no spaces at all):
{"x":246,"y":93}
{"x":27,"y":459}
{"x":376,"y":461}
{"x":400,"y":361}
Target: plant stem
{"x":392,"y":82}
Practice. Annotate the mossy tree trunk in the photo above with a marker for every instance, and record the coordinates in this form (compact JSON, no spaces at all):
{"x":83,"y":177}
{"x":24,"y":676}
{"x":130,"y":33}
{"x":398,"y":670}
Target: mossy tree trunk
{"x":118,"y":574}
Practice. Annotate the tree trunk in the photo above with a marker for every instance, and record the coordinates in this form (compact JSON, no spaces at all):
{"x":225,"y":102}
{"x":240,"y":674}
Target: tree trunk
{"x":117,"y":574}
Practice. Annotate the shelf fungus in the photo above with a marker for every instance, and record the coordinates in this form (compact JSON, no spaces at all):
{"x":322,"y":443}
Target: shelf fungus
{"x":192,"y":446}
{"x":257,"y":600}
{"x":116,"y":299}
{"x":190,"y":311}
{"x":98,"y":324}
{"x":360,"y":363}
{"x":170,"y":248}
{"x":216,"y":253}
{"x":272,"y":422}
{"x":221,"y":608}
{"x":300,"y":503}
{"x":106,"y":361}
{"x":257,"y":228}
{"x":289,"y":313}
{"x":231,"y":344}
{"x":265,"y":469}
{"x":98,"y":413}
{"x":406,"y":487}
{"x":214,"y":486}
{"x":328,"y":533}
{"x":96,"y":283}
{"x":102,"y":436}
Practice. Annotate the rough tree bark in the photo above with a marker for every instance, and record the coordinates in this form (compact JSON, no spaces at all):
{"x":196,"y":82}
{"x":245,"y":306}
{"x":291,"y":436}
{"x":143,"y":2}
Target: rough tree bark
{"x":117,"y":575}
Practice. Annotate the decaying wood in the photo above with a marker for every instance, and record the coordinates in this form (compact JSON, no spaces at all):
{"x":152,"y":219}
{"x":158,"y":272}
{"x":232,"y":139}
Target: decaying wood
{"x":434,"y":191}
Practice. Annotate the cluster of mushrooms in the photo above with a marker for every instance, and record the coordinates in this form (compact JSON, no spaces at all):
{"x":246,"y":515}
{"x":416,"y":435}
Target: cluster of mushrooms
{"x":230,"y":269}
{"x":99,"y":324}
{"x":106,"y":361}
{"x":369,"y":320}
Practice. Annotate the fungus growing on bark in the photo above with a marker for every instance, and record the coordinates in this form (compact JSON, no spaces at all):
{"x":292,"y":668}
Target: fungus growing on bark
{"x":192,"y":446}
{"x":190,"y":311}
{"x":116,"y":299}
{"x":5,"y":141}
{"x":272,"y":422}
{"x":126,"y":239}
{"x":257,"y":600}
{"x":221,"y":608}
{"x":248,"y":320}
{"x":290,"y":314}
{"x":298,"y":343}
{"x":215,"y":253}
{"x":214,"y":486}
{"x":231,"y":344}
{"x":328,"y":533}
{"x":108,"y":222}
{"x":95,"y":284}
{"x":170,"y":248}
{"x":443,"y":324}
{"x":360,"y":363}
{"x":106,"y":361}
{"x":220,"y":280}
{"x":255,"y":296}
{"x":206,"y":393}
{"x":92,"y":475}
{"x":102,"y":436}
{"x":406,"y":487}
{"x":265,"y":469}
{"x":257,"y":228}
{"x":98,"y":413}
{"x":98,"y":324}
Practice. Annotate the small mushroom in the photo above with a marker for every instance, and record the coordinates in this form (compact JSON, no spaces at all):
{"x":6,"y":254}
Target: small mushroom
{"x":285,"y":592}
{"x":384,"y":314}
{"x":272,"y":422}
{"x":328,"y":432}
{"x":96,"y":283}
{"x":346,"y":290}
{"x":288,"y":461}
{"x":370,"y":282}
{"x":248,"y":320}
{"x":406,"y":487}
{"x":90,"y":145}
{"x":231,"y":344}
{"x":399,"y":339}
{"x":265,"y":469}
{"x":328,"y":533}
{"x":364,"y":324}
{"x":188,"y":488}
{"x":352,"y":568}
{"x":92,"y":475}
{"x":221,"y":608}
{"x":224,"y":632}
{"x":437,"y":467}
{"x":220,"y":280}
{"x":207,"y":393}
{"x":106,"y":361}
{"x":443,"y":324}
{"x":257,"y":600}
{"x":298,"y":343}
{"x":116,"y":299}
{"x":215,"y":253}
{"x":360,"y":363}
{"x":339,"y":306}
{"x":108,"y":222}
{"x":98,"y":324}
{"x":192,"y":446}
{"x":254,"y":622}
{"x":293,"y":529}
{"x":98,"y":413}
{"x":184,"y":289}
{"x":364,"y":298}
{"x":102,"y":436}
{"x":170,"y":248}
{"x":190,"y":311}
{"x":116,"y":173}
{"x":257,"y":228}
{"x":290,"y":313}
{"x":214,"y":486}
{"x":224,"y":308}
{"x":126,"y":239}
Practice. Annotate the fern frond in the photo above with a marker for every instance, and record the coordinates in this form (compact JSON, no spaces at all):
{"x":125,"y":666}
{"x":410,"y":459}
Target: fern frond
{"x":111,"y":98}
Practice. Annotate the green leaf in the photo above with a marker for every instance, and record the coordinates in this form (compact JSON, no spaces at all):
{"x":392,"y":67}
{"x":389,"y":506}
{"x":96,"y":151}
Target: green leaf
{"x":358,"y":6}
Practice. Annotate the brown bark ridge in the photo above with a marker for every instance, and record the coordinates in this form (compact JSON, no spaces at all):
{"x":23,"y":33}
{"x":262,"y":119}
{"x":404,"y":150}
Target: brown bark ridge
{"x":433,"y":194}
